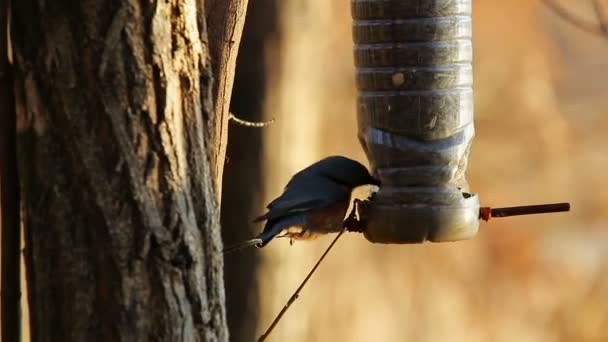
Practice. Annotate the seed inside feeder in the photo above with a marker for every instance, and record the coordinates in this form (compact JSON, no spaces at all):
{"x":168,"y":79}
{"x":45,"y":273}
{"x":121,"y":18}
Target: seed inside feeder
{"x":398,"y":79}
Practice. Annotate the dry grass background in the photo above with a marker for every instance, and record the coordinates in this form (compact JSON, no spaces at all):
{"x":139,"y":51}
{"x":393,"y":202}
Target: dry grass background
{"x":541,"y":105}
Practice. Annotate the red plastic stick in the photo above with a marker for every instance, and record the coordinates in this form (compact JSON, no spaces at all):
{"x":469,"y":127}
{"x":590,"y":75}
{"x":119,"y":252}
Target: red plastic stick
{"x":486,"y":213}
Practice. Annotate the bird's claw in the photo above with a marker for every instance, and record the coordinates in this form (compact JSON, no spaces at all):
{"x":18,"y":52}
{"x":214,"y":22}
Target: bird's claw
{"x":353,"y":223}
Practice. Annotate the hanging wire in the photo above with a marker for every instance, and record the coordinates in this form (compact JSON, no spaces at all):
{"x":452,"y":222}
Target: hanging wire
{"x":297,"y":292}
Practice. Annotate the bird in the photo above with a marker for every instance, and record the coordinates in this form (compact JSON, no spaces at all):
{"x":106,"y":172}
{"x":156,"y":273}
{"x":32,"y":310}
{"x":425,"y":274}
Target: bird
{"x":314,"y":202}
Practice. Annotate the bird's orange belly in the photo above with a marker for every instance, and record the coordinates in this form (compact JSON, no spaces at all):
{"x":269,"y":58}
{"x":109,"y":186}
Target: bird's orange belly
{"x":319,"y":222}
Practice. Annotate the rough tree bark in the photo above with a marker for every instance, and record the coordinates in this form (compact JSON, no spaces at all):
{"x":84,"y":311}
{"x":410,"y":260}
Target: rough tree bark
{"x":226,"y":19}
{"x":9,"y":194}
{"x":243,"y":175}
{"x":114,"y":103}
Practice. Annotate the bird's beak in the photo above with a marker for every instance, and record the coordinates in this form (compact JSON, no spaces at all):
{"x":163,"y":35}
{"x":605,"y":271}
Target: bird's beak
{"x":374,"y":181}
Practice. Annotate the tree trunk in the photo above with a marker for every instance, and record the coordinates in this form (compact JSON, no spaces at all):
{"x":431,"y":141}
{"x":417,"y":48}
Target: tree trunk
{"x":9,"y":195}
{"x":226,"y":19}
{"x":243,"y":175}
{"x":122,"y":233}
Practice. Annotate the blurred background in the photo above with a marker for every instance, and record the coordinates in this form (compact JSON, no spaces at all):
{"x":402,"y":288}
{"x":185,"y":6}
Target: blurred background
{"x":541,"y":123}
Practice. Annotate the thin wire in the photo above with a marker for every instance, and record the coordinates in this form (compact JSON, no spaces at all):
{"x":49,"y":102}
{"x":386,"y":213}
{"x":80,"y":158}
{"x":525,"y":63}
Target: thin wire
{"x":297,"y":292}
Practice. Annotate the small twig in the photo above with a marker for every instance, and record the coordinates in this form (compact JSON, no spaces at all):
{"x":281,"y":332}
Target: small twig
{"x":297,"y":293}
{"x":601,"y":16}
{"x":486,"y":213}
{"x":250,"y":123}
{"x":574,"y":20}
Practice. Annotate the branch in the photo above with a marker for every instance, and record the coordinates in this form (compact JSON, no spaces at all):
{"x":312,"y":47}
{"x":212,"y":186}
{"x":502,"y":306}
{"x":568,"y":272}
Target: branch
{"x":247,"y":123}
{"x":225,"y":22}
{"x":601,"y":16}
{"x":9,"y":194}
{"x":582,"y":24}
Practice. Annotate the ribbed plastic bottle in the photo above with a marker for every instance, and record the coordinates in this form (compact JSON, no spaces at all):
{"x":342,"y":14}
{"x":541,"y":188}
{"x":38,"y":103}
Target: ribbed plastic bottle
{"x":415,"y":116}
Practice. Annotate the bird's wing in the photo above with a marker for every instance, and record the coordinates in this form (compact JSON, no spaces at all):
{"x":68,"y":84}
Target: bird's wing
{"x":304,"y":196}
{"x":284,"y":208}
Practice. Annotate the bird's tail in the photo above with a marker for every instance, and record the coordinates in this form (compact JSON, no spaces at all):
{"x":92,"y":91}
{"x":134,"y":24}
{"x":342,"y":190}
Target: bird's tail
{"x":271,"y":230}
{"x":260,"y":241}
{"x":265,"y":238}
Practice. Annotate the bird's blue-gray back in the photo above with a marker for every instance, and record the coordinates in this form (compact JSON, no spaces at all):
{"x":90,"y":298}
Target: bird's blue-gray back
{"x":305,"y":193}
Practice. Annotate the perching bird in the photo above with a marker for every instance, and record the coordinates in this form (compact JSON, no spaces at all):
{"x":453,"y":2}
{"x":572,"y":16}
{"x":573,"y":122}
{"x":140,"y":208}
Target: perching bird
{"x":314,"y":202}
